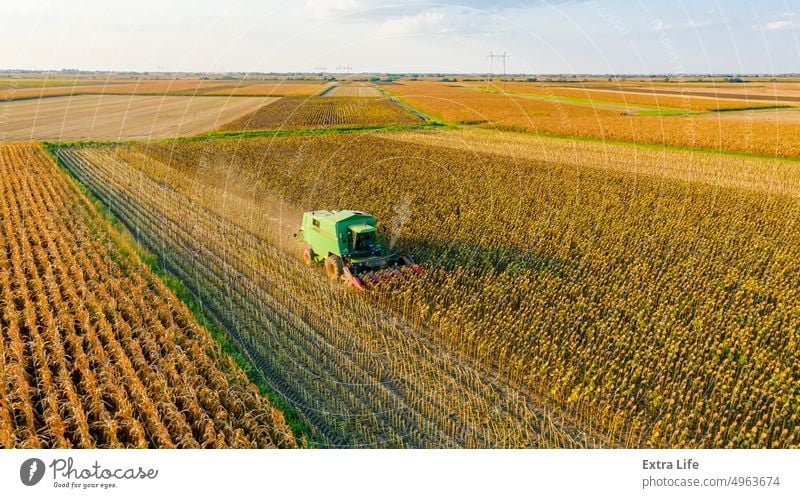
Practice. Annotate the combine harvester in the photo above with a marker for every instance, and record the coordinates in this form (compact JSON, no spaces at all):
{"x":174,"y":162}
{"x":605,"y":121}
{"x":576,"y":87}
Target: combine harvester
{"x":352,"y":247}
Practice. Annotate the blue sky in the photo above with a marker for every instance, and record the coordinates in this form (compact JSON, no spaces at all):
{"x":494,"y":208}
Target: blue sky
{"x":600,"y":36}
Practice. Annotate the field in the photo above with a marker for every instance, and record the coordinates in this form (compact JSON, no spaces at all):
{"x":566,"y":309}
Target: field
{"x":94,"y":350}
{"x":767,"y":92}
{"x":7,"y":84}
{"x":352,"y":90}
{"x":644,"y":296}
{"x":21,"y":89}
{"x":655,"y":102}
{"x":361,"y":375}
{"x":286,"y":88}
{"x":729,"y":130}
{"x":607,"y":264}
{"x":321,"y":112}
{"x":776,"y":117}
{"x":47,"y":88}
{"x":119,"y":117}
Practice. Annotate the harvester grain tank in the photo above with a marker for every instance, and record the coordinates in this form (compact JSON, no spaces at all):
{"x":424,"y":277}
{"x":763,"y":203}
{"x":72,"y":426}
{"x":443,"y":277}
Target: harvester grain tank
{"x":352,"y":247}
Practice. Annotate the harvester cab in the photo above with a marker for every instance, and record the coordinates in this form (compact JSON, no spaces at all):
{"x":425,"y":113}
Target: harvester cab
{"x":363,"y":240}
{"x":352,"y":247}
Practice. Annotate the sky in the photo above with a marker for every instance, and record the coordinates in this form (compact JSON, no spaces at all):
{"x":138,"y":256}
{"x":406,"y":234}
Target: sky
{"x":539,"y":36}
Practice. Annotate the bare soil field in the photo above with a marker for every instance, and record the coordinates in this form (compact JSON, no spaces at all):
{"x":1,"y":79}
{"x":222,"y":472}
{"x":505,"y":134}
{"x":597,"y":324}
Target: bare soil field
{"x":119,"y":116}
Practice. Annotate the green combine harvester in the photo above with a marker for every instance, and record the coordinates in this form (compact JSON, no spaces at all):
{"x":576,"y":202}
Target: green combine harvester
{"x":353,"y":248}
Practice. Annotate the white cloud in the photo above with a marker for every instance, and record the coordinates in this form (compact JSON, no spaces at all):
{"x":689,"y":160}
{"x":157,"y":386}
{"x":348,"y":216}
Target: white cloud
{"x":778,"y":22}
{"x":690,"y":24}
{"x":325,"y":9}
{"x":778,"y":25}
{"x":424,"y":22}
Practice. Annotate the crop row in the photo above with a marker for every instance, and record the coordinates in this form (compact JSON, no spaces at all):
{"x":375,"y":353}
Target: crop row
{"x":94,"y":350}
{"x":315,"y":112}
{"x":359,"y":376}
{"x":660,"y":309}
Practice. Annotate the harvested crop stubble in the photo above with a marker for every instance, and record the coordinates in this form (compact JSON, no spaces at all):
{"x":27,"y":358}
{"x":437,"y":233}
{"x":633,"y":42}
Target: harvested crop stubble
{"x":466,"y":105}
{"x":120,"y":87}
{"x":656,"y":306}
{"x":116,"y":117}
{"x":16,"y":83}
{"x":94,"y":350}
{"x":317,"y":112}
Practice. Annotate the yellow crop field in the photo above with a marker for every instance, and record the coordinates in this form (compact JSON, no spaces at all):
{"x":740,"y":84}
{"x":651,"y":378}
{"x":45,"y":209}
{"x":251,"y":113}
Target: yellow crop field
{"x":770,"y":93}
{"x":320,"y":112}
{"x":631,"y":98}
{"x":566,"y":231}
{"x":648,"y":299}
{"x":94,"y":350}
{"x":362,"y":375}
{"x":577,"y":291}
{"x":287,"y":88}
{"x":746,"y":133}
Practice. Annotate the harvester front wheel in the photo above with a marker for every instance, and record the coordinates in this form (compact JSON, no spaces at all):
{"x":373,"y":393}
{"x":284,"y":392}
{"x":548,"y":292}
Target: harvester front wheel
{"x":334,"y":266}
{"x":308,"y":257}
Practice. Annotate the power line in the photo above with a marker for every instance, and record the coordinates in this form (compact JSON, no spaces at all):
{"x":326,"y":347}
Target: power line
{"x":492,"y":56}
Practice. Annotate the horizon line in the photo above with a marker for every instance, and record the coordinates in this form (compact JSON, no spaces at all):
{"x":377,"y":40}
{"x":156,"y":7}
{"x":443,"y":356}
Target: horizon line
{"x":378,"y":73}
